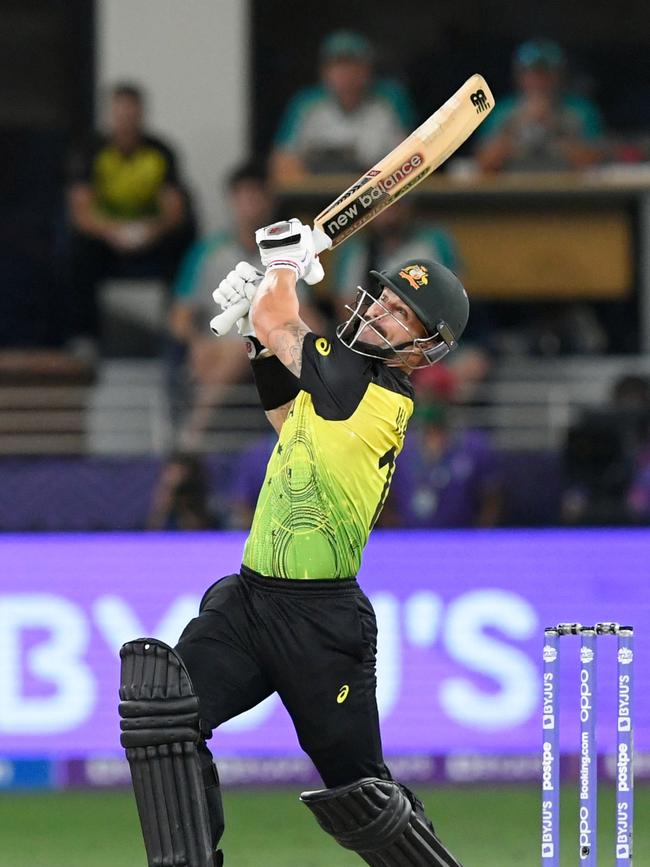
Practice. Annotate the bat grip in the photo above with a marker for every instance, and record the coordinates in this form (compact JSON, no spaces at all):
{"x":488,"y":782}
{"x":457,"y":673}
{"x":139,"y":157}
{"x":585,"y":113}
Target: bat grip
{"x":223,"y":322}
{"x":322,"y":241}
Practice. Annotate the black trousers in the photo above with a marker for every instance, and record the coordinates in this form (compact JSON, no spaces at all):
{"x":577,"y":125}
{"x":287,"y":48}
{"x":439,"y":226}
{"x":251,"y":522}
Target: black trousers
{"x":313,"y":642}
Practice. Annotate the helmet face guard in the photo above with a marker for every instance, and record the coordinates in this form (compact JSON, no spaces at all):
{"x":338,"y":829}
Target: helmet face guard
{"x":431,"y":348}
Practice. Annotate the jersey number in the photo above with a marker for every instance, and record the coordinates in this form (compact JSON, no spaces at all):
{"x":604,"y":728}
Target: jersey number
{"x":387,"y":460}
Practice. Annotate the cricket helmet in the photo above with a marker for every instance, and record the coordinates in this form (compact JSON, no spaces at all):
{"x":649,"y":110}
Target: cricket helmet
{"x":433,"y":293}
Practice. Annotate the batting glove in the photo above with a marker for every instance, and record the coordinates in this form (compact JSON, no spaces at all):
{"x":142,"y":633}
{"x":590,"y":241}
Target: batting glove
{"x":290,"y":244}
{"x":240,"y":286}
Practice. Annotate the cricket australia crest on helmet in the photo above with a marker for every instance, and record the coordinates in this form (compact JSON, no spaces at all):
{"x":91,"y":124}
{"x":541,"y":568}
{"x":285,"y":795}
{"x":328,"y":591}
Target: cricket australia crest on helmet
{"x":415,"y":275}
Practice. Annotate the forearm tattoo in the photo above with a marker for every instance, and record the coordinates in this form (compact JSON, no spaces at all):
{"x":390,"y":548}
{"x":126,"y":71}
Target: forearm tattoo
{"x":286,"y":342}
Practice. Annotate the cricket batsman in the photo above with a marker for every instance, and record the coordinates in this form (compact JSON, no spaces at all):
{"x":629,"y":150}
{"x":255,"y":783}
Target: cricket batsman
{"x":294,"y":620}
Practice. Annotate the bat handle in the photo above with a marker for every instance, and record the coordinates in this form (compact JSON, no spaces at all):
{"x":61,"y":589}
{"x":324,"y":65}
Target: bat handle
{"x":322,"y":241}
{"x":223,"y":322}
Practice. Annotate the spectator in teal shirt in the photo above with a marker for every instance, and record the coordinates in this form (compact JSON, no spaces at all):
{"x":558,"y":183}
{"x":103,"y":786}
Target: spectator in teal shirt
{"x":201,"y":369}
{"x":542,"y":127}
{"x":348,"y":122}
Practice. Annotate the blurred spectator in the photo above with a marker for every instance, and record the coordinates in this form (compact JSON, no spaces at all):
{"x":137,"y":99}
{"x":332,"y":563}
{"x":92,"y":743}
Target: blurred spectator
{"x":548,"y":329}
{"x":211,"y":361}
{"x":180,"y":500}
{"x":632,"y":395}
{"x":346,"y":123}
{"x":128,"y":213}
{"x":638,"y":494}
{"x":197,"y":358}
{"x":456,"y":378}
{"x":631,"y":392}
{"x":542,"y":127}
{"x":444,"y":478}
{"x":606,"y":459}
{"x":393,"y":237}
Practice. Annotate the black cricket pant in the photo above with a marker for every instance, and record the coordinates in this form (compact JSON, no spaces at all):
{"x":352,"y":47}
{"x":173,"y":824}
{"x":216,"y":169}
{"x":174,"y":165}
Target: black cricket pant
{"x":314,"y":642}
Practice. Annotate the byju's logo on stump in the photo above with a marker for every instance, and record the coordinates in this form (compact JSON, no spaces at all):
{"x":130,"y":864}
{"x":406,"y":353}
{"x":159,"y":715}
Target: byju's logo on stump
{"x":548,"y":719}
{"x":625,"y":655}
{"x":550,"y":653}
{"x":480,"y":101}
{"x":586,"y":655}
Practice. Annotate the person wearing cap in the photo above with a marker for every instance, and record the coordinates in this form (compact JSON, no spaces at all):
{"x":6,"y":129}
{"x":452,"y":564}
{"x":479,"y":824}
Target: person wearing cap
{"x":542,"y":127}
{"x":194,"y":359}
{"x":201,"y":371}
{"x":445,"y":477}
{"x":347,"y":122}
{"x":293,"y":620}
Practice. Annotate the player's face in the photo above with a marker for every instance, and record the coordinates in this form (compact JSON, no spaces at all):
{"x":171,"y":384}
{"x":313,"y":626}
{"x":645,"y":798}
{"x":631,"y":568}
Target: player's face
{"x":126,"y":117}
{"x":393,"y":319}
{"x":347,"y":79}
{"x":539,"y":81}
{"x":251,"y":203}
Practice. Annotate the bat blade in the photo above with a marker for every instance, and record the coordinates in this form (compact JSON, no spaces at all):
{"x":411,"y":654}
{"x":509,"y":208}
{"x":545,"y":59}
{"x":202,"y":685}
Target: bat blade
{"x":409,"y":163}
{"x":398,"y":172}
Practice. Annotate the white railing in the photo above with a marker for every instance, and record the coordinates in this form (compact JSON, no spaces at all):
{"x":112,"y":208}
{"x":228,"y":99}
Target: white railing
{"x":527,"y":405}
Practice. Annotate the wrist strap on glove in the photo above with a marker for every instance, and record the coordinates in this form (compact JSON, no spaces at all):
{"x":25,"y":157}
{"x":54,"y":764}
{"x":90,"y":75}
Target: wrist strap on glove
{"x":254,"y":347}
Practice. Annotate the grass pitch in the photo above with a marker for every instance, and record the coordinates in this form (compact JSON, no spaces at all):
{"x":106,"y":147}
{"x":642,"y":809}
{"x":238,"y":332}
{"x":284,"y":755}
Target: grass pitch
{"x":483,"y":826}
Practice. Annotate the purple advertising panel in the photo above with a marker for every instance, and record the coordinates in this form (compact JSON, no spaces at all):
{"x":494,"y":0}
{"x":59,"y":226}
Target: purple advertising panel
{"x":461,"y":618}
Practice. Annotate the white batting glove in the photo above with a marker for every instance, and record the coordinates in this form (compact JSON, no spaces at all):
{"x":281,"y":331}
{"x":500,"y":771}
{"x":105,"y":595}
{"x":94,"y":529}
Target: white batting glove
{"x":290,"y":244}
{"x":238,"y":287}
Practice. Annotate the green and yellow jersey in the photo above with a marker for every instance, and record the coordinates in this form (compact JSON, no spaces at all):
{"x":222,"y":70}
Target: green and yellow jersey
{"x":127,"y":185}
{"x":328,"y":477}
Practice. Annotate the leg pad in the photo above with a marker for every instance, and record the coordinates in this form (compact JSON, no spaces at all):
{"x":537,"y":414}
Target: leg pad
{"x":160,"y":732}
{"x":382,"y":822}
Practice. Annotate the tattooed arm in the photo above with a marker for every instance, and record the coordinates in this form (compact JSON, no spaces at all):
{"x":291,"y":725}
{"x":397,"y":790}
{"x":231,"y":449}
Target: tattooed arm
{"x":276,"y":318}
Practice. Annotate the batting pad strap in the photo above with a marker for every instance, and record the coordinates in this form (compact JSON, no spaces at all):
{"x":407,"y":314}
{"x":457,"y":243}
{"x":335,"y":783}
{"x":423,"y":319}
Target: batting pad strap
{"x":276,"y":385}
{"x":159,"y":705}
{"x":377,"y":820}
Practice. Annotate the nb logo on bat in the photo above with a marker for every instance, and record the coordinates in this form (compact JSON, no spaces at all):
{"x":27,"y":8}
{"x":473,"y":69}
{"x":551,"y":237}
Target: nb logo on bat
{"x":480,"y":101}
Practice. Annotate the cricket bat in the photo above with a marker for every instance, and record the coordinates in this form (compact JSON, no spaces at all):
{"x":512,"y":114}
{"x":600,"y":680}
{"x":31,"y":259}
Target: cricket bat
{"x":396,"y":174}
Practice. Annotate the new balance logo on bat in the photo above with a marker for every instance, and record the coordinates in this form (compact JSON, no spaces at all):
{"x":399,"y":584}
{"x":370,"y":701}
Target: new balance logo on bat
{"x":479,"y":100}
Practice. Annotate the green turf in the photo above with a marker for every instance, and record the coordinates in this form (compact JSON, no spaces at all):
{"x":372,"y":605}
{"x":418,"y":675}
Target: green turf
{"x":486,"y":827}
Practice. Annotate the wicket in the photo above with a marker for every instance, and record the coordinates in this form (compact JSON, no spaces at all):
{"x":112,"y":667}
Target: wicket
{"x":588,"y":752}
